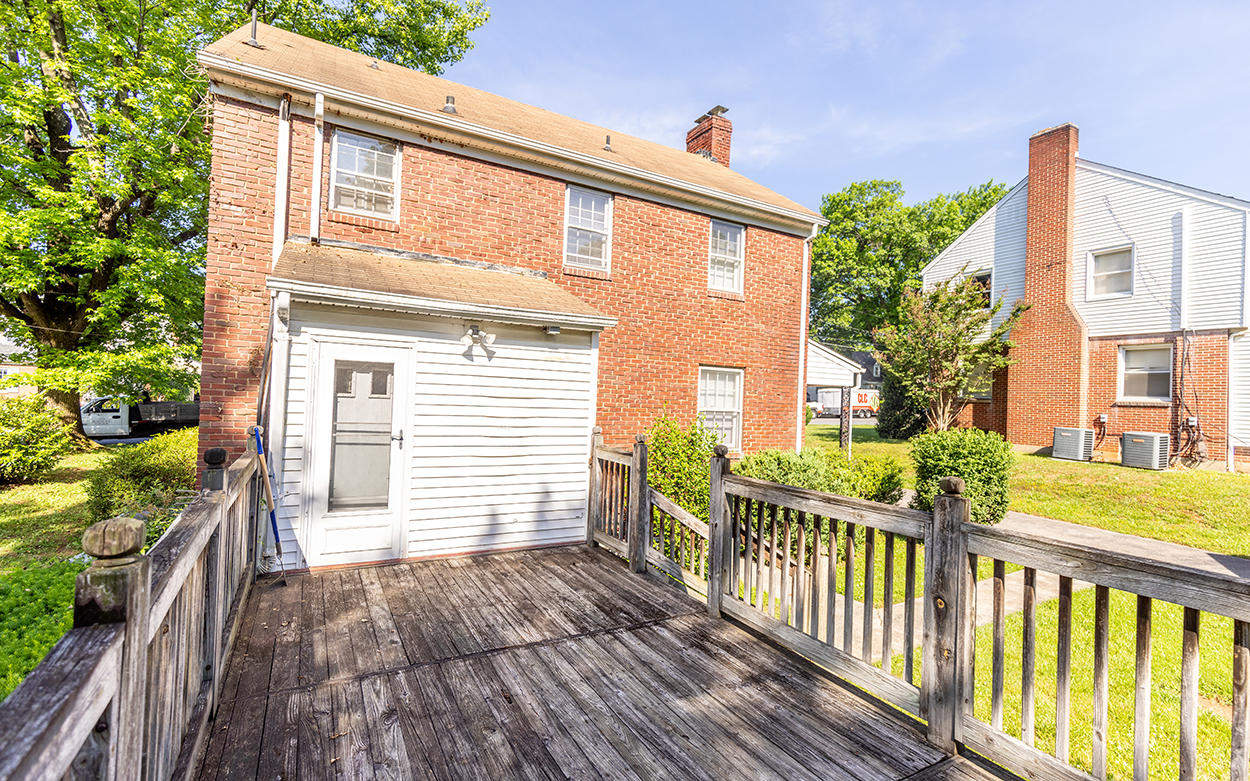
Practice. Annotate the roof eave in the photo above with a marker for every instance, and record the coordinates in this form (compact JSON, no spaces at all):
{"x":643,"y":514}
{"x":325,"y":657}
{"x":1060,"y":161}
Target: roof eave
{"x":369,"y":299}
{"x":254,"y":76}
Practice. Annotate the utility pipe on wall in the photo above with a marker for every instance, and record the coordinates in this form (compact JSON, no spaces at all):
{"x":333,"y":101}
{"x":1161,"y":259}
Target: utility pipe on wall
{"x":319,"y":112}
{"x":282,"y":185}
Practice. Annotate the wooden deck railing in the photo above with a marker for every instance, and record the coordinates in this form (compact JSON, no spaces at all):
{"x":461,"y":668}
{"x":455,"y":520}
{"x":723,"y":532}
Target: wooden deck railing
{"x":127,"y":693}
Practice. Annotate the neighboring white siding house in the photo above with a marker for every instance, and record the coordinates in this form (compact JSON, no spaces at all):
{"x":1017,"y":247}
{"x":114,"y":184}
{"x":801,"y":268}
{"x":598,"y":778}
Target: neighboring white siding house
{"x":828,"y":369}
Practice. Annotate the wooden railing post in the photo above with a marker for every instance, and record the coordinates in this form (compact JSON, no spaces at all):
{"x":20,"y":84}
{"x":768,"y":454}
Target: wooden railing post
{"x":116,"y":588}
{"x":594,"y":509}
{"x":214,"y":477}
{"x":639,"y":507}
{"x":945,"y":653}
{"x":718,"y":531}
{"x":215,"y":572}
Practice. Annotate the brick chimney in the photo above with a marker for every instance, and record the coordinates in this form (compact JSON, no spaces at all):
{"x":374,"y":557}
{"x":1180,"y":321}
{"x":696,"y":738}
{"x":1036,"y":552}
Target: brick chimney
{"x":1049,"y":386}
{"x":710,"y":136}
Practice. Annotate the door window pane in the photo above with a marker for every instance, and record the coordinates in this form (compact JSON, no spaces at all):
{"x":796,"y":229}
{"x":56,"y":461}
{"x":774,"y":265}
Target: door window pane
{"x":360,"y":439}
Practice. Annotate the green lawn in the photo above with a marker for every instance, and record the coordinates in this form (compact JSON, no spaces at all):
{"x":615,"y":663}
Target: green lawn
{"x":41,"y":525}
{"x":1203,"y":509}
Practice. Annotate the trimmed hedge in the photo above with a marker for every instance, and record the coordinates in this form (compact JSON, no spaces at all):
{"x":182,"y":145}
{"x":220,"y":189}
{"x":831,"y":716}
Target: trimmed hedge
{"x":32,"y":439}
{"x":145,"y":477}
{"x":982,"y":458}
{"x":875,"y":479}
{"x":679,"y":463}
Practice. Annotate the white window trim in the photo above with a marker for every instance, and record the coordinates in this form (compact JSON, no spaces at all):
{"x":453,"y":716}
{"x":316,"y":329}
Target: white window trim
{"x":1089,"y":272}
{"x":1125,"y":348}
{"x":736,"y":447}
{"x":607,"y":220}
{"x":740,"y":277}
{"x":989,"y":284}
{"x":399,"y":176}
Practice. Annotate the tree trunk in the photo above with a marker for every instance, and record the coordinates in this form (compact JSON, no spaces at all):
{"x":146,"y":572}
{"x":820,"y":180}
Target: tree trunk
{"x":66,"y":404}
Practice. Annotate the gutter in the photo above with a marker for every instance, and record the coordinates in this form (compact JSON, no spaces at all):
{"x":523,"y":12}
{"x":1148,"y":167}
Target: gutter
{"x":445,"y":123}
{"x":369,"y":299}
{"x":804,"y":326}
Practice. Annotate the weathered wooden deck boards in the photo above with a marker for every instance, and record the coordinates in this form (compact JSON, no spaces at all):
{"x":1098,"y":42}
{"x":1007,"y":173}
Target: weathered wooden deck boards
{"x":540,"y":664}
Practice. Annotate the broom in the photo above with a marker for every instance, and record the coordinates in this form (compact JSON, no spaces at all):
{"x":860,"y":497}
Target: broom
{"x":273,"y":516}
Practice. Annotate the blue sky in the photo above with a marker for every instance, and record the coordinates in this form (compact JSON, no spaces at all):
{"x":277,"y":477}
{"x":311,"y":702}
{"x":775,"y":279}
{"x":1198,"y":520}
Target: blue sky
{"x":939,"y":95}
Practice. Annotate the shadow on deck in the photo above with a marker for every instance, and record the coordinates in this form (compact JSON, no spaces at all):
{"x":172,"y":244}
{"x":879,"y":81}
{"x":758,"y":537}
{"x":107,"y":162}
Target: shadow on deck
{"x":548,"y":663}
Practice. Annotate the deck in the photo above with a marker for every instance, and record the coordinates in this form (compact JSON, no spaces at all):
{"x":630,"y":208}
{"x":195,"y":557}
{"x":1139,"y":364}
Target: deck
{"x":548,"y":663}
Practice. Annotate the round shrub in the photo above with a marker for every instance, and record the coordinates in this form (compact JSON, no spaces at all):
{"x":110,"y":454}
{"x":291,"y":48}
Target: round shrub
{"x":875,"y":479}
{"x":143,"y":477}
{"x":33,"y":439}
{"x":679,"y":463}
{"x":982,"y":458}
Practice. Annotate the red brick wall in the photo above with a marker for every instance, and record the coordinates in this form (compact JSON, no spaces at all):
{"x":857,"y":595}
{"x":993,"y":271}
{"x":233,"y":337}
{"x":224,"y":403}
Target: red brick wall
{"x":988,"y":414}
{"x":1049,"y":383}
{"x":711,"y":135}
{"x":456,"y":206}
{"x":236,"y":304}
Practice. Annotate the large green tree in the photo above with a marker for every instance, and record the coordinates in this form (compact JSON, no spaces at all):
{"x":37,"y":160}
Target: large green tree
{"x":872,"y":251}
{"x":104,"y":170}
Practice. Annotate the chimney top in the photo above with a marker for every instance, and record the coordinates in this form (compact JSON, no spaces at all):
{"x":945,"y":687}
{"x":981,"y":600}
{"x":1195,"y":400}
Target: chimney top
{"x":710,"y":136}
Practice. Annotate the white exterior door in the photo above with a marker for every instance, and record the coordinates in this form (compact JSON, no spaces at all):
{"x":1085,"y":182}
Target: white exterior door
{"x":359,"y":454}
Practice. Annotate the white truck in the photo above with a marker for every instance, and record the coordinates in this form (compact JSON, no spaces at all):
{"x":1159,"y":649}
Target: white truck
{"x":864,"y":403}
{"x":113,"y":418}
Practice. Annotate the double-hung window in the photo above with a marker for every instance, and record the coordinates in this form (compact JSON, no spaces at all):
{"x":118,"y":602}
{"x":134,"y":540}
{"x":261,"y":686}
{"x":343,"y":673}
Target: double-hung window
{"x":588,"y":229}
{"x":720,"y":405}
{"x":724,"y":271}
{"x":365,"y":176}
{"x":1146,"y":373}
{"x":1111,"y":273}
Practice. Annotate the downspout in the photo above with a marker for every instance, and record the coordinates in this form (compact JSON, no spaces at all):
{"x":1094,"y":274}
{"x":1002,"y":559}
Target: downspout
{"x":282,"y":186}
{"x":803,"y":327}
{"x":319,"y":118}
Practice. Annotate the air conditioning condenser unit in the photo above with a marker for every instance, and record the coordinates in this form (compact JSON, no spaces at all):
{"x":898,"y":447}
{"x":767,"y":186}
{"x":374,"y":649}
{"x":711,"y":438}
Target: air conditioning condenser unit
{"x":1144,"y":450}
{"x":1074,"y":444}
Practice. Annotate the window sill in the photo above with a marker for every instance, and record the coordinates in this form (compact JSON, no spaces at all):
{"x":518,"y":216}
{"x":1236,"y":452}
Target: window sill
{"x":590,"y":273}
{"x":726,"y":294}
{"x":364,"y":222}
{"x":1142,"y":403}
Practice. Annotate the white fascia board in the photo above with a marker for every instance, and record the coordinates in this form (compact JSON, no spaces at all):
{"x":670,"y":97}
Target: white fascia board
{"x":1163,"y":184}
{"x":445,"y":123}
{"x":988,"y":213}
{"x":836,"y":357}
{"x":390,"y":302}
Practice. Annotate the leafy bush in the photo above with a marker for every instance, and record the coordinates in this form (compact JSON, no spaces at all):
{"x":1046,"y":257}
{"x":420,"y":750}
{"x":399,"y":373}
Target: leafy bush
{"x":32,"y":439}
{"x":36,"y":608}
{"x":982,"y":458}
{"x":808,"y":414}
{"x":145,"y":477}
{"x":875,"y":479}
{"x":900,"y":416}
{"x":678,"y":463}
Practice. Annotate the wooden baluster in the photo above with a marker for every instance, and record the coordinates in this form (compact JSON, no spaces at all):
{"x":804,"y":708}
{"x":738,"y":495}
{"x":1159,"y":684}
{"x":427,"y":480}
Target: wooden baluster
{"x":786,"y":616}
{"x":800,"y":573}
{"x":774,"y":562}
{"x":736,"y":539}
{"x":819,"y":623}
{"x":1189,"y":697}
{"x":909,"y":614}
{"x":1141,"y":694}
{"x":1239,"y":757}
{"x":1102,"y":628}
{"x":1000,"y":642}
{"x":848,"y":590}
{"x":870,"y":565}
{"x":759,"y":555}
{"x":831,"y":582}
{"x":1028,"y":656}
{"x":1063,"y":670}
{"x":969,"y":638}
{"x":887,"y":613}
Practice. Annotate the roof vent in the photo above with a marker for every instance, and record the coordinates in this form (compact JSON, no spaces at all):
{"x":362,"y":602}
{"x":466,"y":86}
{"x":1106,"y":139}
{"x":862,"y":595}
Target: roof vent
{"x":607,"y":145}
{"x":374,"y":65}
{"x":253,"y":41}
{"x":450,"y":108}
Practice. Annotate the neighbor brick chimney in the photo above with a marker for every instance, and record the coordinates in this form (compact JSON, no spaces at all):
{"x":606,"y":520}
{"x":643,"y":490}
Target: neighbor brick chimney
{"x":710,"y":136}
{"x":1049,"y":385}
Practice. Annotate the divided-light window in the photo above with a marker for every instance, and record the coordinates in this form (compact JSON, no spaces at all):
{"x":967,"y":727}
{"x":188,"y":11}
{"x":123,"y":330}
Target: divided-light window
{"x":1146,"y":373}
{"x":720,"y":405}
{"x":588,"y":229}
{"x":365,"y":179}
{"x":1111,"y":273}
{"x":725,"y":265}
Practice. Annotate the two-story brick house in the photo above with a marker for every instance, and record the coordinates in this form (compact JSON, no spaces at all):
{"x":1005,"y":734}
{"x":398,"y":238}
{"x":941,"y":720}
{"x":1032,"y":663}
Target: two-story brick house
{"x":446,"y":290}
{"x":1138,"y":295}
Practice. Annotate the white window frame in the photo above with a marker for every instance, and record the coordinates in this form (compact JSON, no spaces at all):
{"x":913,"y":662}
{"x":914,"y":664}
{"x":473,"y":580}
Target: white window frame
{"x":740,"y":261}
{"x":577,"y":261}
{"x":988,"y":288}
{"x":1089,"y":273}
{"x":393,"y":215}
{"x":735,"y":446}
{"x":1127,"y":348}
